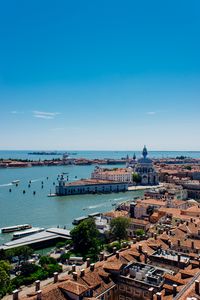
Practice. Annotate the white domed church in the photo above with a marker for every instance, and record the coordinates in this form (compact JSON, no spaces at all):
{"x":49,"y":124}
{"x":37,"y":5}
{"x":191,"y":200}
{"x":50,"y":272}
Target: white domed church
{"x":144,"y":167}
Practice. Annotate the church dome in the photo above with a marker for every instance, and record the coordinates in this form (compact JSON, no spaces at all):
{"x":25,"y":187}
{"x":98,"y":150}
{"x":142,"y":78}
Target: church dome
{"x":144,"y":159}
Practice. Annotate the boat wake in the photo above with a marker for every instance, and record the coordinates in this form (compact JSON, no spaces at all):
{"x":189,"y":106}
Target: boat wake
{"x":107,"y":203}
{"x":98,"y":205}
{"x":37,"y":179}
{"x":6,"y":184}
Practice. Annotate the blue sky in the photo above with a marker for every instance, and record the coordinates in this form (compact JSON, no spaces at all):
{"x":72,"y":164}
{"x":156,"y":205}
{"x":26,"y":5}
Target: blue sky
{"x":107,"y":75}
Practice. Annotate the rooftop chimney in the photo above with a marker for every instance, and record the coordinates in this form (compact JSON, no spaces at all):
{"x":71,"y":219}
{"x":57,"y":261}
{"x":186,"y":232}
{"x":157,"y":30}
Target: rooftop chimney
{"x":39,"y":295}
{"x":101,"y":256}
{"x":55,"y":277}
{"x":158,"y":296}
{"x":134,"y":240}
{"x":197,"y":287}
{"x":174,"y":290}
{"x":140,"y":248}
{"x":106,"y":257}
{"x":37,"y":285}
{"x":73,"y":268}
{"x":75,"y":276}
{"x":114,"y":250}
{"x":15,"y":294}
{"x":192,"y":244}
{"x":179,"y":243}
{"x":87,"y":262}
{"x":82,"y":272}
{"x":145,"y":256}
{"x":117,"y":254}
{"x":151,"y":290}
{"x":92,"y":267}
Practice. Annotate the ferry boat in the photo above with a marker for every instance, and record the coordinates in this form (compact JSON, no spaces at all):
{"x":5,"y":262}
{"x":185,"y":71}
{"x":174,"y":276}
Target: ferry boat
{"x":15,"y":181}
{"x":22,"y":234}
{"x":15,"y":228}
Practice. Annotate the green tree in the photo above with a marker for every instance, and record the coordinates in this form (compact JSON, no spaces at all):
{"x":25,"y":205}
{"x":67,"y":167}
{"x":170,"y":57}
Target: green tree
{"x":118,"y":228}
{"x":139,"y":232}
{"x":64,"y":257}
{"x":4,"y":277}
{"x":28,"y":268}
{"x":136,"y":178}
{"x":47,"y":260}
{"x":85,"y":237}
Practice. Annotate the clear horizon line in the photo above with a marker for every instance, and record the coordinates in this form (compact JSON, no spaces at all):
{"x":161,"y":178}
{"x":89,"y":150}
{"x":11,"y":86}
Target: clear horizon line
{"x":98,"y":150}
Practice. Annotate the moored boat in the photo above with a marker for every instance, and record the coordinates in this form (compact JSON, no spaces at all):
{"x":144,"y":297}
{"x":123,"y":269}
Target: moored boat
{"x":15,"y":228}
{"x":24,"y":233}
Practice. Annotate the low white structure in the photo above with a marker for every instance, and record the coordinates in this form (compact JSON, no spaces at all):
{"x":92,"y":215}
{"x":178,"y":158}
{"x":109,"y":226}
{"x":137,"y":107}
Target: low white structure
{"x":89,"y":186}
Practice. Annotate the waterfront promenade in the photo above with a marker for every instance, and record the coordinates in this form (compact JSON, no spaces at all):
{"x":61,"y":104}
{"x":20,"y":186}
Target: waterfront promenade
{"x":144,"y":187}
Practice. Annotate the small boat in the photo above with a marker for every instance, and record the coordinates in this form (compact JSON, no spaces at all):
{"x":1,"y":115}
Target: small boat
{"x":27,"y":232}
{"x":15,"y":181}
{"x":15,"y":228}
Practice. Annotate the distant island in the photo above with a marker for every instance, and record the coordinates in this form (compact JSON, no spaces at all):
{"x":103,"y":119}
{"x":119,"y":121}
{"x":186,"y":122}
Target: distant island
{"x":45,"y":153}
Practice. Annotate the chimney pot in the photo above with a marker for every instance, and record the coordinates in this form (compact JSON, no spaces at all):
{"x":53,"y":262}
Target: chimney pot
{"x":15,"y":294}
{"x":140,"y":248}
{"x":39,"y":295}
{"x":87,"y":262}
{"x":101,"y":257}
{"x":158,"y":296}
{"x":192,"y":244}
{"x":92,"y":267}
{"x":82,"y":272}
{"x":117,"y":254}
{"x":75,"y":276}
{"x":197,"y":287}
{"x":73,"y":268}
{"x":151,"y":290}
{"x":114,"y":250}
{"x":37,"y":285}
{"x":174,"y":290}
{"x":55,"y":277}
{"x":106,"y":257}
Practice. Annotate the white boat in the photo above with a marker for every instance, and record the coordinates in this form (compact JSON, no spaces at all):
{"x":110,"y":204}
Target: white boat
{"x":24,"y":233}
{"x":15,"y":181}
{"x":15,"y":228}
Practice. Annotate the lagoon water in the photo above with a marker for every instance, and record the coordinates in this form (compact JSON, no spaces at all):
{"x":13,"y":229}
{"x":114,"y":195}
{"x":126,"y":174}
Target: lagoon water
{"x":40,"y":210}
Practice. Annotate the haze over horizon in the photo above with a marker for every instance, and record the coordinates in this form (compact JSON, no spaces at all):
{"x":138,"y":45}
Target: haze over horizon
{"x":100,"y":75}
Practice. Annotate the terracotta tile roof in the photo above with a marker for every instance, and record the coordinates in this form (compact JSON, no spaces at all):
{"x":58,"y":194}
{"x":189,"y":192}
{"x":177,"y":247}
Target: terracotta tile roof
{"x":115,"y":265}
{"x":73,"y":287}
{"x":174,"y":279}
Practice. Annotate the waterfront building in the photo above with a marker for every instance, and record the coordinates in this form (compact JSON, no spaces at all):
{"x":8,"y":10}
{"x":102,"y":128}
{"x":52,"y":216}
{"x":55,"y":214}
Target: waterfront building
{"x":120,"y":174}
{"x":144,"y":167}
{"x":89,"y":186}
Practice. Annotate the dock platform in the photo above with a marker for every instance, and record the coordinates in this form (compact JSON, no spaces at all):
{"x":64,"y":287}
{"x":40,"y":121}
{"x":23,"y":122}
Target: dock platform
{"x":39,"y":240}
